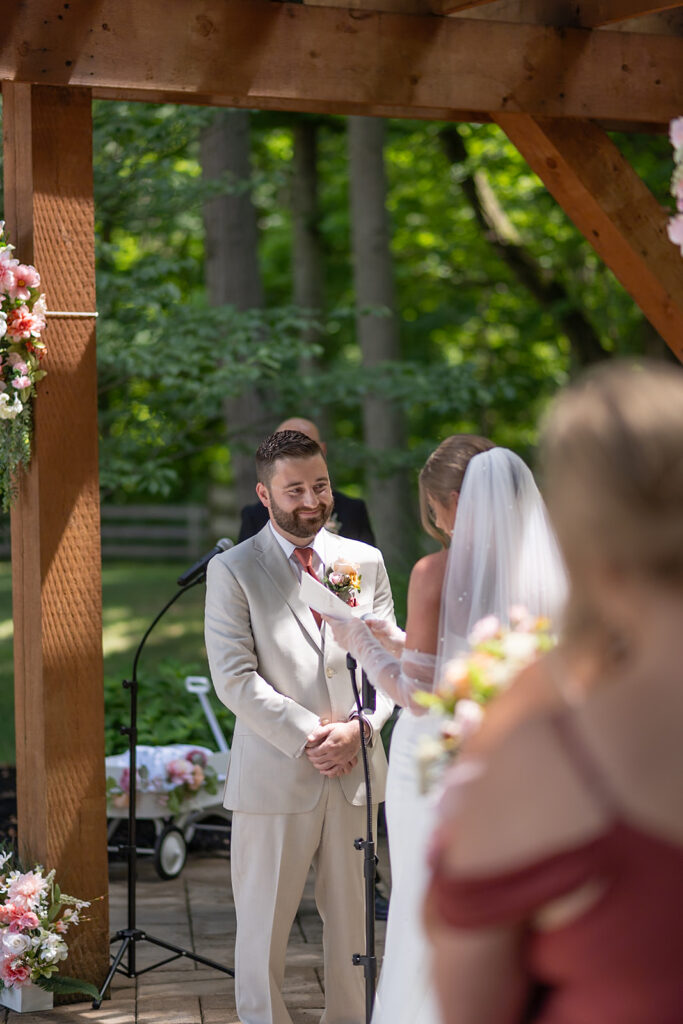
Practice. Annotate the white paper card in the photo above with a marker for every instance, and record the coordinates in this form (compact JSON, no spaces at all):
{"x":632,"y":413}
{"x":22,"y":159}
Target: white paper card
{"x":316,"y":596}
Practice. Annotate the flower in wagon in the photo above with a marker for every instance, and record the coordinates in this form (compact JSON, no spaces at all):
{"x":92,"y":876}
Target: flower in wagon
{"x":471,"y":681}
{"x":35,"y":915}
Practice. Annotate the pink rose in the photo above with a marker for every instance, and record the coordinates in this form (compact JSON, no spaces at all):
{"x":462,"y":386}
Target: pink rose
{"x":25,"y":278}
{"x":7,"y":274}
{"x":22,"y":323}
{"x":676,"y":132}
{"x":10,"y":912}
{"x":484,"y":630}
{"x":678,"y":194}
{"x":13,"y":972}
{"x":27,"y":921}
{"x":20,"y":383}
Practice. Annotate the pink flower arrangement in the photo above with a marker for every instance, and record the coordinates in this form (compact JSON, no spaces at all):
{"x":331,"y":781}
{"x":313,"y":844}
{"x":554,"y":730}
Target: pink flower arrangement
{"x":173,"y":779}
{"x":34,"y":917}
{"x":22,"y":322}
{"x":471,"y":681}
{"x":675,"y":225}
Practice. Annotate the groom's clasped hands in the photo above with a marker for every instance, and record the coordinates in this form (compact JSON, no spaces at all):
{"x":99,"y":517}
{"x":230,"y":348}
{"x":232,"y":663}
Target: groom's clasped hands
{"x":332,"y":747}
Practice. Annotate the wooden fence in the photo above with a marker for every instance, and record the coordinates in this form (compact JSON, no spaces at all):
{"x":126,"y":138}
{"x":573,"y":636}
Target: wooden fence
{"x":177,"y":532}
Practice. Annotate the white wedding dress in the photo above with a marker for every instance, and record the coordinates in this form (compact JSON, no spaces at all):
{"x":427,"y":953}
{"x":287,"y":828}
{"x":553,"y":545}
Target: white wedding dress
{"x":404,"y":993}
{"x":503,"y":553}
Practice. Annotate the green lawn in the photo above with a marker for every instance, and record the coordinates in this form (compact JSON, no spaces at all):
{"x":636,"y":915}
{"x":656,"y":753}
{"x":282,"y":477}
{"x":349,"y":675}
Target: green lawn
{"x":132,"y":594}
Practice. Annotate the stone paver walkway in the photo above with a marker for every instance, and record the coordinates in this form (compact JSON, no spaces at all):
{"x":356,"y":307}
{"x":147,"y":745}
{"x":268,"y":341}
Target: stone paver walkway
{"x":195,"y":911}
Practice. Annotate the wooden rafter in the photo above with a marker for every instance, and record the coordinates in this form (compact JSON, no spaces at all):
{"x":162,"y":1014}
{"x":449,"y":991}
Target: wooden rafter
{"x":248,"y":53}
{"x":597,"y":13}
{"x":454,"y":6}
{"x":585,"y":172}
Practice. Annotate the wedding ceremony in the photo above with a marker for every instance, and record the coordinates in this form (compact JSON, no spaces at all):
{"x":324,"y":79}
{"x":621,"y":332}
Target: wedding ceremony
{"x":341,"y":512}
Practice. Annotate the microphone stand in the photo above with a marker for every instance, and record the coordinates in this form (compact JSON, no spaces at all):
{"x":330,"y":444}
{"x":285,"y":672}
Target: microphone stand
{"x":368,"y":961}
{"x":131,"y":935}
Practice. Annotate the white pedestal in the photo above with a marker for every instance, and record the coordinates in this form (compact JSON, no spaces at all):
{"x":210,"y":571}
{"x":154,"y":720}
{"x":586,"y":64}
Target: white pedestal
{"x":26,"y":999}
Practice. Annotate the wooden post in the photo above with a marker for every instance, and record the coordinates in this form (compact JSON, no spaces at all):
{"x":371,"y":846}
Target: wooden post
{"x":56,"y":575}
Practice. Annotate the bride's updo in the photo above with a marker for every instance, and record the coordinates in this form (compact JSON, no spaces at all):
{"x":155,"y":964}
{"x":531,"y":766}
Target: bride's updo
{"x":443,"y":473}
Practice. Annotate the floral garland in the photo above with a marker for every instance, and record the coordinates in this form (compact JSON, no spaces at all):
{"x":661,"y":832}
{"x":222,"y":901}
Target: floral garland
{"x":35,"y":915}
{"x":22,"y":321}
{"x":472,"y":680}
{"x":675,"y":226}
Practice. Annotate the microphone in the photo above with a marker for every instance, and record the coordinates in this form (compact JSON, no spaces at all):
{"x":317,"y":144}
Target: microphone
{"x":196,"y":570}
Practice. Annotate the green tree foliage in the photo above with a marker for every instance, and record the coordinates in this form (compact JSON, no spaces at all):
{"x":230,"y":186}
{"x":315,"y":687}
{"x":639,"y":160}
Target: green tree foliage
{"x":479,"y":351}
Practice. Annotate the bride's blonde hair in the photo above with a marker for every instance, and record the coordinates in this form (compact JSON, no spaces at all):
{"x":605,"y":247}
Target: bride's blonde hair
{"x":612,"y":458}
{"x":443,"y":473}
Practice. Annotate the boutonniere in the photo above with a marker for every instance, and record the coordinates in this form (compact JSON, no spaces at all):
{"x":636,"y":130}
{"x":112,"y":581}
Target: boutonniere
{"x":343,"y":579}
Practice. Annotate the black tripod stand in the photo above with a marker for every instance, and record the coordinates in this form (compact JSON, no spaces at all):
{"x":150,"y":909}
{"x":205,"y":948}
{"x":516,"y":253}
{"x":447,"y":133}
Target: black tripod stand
{"x":368,"y":960}
{"x":132,"y":935}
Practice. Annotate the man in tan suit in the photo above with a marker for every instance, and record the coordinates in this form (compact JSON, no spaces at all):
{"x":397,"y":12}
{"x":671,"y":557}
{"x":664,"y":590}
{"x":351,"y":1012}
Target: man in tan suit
{"x":295,"y":782}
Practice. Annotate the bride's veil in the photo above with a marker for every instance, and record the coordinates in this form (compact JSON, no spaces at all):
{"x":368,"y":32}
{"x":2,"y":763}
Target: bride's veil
{"x":503,"y":552}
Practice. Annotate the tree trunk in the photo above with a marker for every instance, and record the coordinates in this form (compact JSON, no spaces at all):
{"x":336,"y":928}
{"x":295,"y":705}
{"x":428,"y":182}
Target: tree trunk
{"x":391,"y":510}
{"x":233,"y":275}
{"x":501,"y":234}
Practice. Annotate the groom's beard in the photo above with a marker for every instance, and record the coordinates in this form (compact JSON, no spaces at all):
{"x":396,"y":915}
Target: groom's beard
{"x":298,"y":525}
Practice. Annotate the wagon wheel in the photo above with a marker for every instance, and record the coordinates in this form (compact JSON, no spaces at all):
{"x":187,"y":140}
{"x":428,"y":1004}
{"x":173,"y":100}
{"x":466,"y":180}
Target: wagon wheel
{"x":170,"y":852}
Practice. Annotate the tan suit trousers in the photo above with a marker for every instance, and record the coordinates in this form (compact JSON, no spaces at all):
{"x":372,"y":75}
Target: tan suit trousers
{"x":270,"y":859}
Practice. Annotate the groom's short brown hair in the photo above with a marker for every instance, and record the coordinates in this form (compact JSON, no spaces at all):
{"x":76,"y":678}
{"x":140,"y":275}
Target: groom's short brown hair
{"x":283,"y":444}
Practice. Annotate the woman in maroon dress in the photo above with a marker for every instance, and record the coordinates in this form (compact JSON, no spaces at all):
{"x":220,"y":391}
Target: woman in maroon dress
{"x":557,"y":887}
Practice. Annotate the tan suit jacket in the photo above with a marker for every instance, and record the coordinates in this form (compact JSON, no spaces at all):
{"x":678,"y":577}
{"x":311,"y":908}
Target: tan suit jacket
{"x":280,"y":674}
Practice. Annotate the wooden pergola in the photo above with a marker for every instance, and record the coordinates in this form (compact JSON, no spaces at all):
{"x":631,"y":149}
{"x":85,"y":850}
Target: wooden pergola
{"x":555,"y":75}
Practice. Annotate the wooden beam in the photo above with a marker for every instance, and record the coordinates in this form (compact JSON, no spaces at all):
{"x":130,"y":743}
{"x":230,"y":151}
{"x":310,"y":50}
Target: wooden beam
{"x":613,"y":209}
{"x":455,"y":6}
{"x":56,"y":577}
{"x":258,"y":53}
{"x":597,"y":13}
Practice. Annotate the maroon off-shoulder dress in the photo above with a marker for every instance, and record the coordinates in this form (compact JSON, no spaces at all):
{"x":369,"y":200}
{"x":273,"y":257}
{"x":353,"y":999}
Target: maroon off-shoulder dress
{"x":619,"y":962}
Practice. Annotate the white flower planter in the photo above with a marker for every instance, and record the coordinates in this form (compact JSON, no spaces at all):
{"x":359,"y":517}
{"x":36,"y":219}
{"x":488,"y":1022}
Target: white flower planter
{"x":26,"y":999}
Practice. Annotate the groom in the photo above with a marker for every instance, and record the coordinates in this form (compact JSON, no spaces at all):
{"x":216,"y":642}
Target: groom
{"x":295,"y":781}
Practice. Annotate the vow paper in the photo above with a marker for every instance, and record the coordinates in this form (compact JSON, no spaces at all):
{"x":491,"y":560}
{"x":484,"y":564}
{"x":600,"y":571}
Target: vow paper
{"x":322,"y":600}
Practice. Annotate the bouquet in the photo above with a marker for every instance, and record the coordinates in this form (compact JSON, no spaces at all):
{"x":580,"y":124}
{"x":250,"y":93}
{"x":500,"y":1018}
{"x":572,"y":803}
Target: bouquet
{"x":174,"y":774}
{"x":675,"y":226}
{"x":22,"y":321}
{"x":35,"y":916}
{"x":497,"y":655}
{"x":343,"y":579}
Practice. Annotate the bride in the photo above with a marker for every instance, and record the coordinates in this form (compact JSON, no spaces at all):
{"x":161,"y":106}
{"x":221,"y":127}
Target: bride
{"x":483,"y":506}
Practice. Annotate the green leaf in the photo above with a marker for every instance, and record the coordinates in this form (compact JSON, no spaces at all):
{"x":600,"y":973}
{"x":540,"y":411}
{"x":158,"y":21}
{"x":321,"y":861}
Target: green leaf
{"x":65,"y":985}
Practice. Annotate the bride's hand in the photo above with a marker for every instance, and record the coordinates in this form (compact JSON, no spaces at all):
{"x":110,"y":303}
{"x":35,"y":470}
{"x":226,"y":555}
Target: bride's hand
{"x":389,"y":635}
{"x":349,"y":633}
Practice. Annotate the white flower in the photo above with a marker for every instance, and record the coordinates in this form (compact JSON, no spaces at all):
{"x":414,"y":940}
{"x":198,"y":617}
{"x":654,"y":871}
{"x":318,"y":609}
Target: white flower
{"x":52,"y":948}
{"x":520,"y":647}
{"x":15,"y":943}
{"x":3,"y":323}
{"x":4,"y":857}
{"x":9,"y":409}
{"x":467,"y":717}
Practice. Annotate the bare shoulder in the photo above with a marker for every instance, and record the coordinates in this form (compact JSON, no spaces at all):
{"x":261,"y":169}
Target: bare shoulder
{"x":424,"y":602}
{"x":427,"y":575}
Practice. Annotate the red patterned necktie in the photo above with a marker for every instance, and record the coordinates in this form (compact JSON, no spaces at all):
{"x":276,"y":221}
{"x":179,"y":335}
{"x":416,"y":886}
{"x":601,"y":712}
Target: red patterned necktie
{"x":304,"y":557}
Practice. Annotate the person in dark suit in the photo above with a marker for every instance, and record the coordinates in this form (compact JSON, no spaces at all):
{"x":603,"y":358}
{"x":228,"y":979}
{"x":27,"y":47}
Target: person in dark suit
{"x":350,"y":516}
